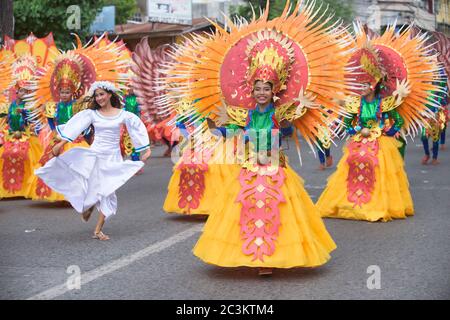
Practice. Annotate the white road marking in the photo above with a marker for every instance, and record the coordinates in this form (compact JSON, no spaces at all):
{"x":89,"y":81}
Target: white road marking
{"x":115,"y":265}
{"x":410,"y":187}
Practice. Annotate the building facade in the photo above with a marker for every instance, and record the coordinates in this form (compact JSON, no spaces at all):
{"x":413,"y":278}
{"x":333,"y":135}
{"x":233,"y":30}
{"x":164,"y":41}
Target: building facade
{"x":431,"y":15}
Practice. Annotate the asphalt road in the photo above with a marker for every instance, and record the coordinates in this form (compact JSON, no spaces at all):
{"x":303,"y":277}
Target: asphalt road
{"x":44,"y":247}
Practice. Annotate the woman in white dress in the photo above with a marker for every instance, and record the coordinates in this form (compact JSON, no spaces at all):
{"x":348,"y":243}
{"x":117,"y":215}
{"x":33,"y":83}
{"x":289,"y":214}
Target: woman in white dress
{"x":89,"y":177}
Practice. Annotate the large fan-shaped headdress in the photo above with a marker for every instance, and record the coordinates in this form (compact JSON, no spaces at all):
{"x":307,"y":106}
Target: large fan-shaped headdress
{"x":79,"y":69}
{"x":368,"y":66}
{"x":43,"y":49}
{"x":25,"y":58}
{"x":304,"y":59}
{"x":409,"y":68}
{"x":67,"y":72}
{"x":24,"y":70}
{"x":146,"y":74}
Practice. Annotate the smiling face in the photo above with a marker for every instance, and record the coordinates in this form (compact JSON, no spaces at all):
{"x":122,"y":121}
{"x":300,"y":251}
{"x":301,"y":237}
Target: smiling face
{"x":102,"y":97}
{"x":65,"y":94}
{"x":262,"y":92}
{"x":367,"y":89}
{"x":21,"y":92}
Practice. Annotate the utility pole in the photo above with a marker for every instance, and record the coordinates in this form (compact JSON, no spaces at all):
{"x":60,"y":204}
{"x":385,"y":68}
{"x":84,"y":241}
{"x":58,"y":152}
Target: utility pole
{"x":6,"y":19}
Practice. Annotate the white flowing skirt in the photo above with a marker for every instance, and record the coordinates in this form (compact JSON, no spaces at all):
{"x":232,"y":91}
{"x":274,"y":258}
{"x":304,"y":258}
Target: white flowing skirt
{"x":87,"y":178}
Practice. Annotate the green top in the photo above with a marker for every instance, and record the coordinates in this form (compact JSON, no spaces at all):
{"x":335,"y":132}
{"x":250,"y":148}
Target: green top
{"x":369,"y":111}
{"x":261,"y":124}
{"x":16,"y":119}
{"x":259,"y":128}
{"x":64,"y":111}
{"x":132,"y":105}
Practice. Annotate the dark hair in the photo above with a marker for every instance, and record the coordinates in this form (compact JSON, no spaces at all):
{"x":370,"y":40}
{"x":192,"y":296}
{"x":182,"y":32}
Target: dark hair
{"x":378,"y":88}
{"x":115,"y":100}
{"x":269,"y":83}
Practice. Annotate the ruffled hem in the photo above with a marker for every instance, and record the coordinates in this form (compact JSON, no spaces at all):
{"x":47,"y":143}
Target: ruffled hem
{"x":34,"y":154}
{"x":390,"y":198}
{"x":302,"y":241}
{"x":84,"y":178}
{"x":214,"y":180}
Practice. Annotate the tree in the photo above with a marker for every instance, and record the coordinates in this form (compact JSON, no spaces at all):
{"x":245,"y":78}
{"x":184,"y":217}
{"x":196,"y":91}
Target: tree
{"x":341,"y":10}
{"x":6,"y":19}
{"x":60,"y":17}
{"x":125,"y":9}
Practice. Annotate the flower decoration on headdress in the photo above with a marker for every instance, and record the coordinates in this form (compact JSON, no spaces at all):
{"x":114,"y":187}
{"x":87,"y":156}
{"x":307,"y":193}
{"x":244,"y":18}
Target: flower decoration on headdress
{"x":105,"y":85}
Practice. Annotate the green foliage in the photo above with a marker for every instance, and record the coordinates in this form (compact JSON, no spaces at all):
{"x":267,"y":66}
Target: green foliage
{"x":343,"y":10}
{"x":125,"y":9}
{"x":44,"y":16}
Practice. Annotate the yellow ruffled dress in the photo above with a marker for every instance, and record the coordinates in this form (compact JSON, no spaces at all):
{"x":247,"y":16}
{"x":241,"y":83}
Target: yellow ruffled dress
{"x":197,"y":199}
{"x":390,"y":197}
{"x":26,"y":176}
{"x":303,"y":240}
{"x":264,"y":217}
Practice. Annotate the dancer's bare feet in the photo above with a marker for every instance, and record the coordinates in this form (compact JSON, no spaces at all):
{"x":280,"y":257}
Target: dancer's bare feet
{"x":321,"y":167}
{"x":100,"y":236}
{"x":87,"y":214}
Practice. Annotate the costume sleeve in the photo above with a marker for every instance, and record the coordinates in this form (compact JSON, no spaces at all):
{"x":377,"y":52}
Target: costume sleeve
{"x":287,"y":131}
{"x":51,"y":123}
{"x":75,"y":126}
{"x":230,"y":127}
{"x":137,"y":131}
{"x":349,"y":124}
{"x":25,"y":116}
{"x":398,"y":122}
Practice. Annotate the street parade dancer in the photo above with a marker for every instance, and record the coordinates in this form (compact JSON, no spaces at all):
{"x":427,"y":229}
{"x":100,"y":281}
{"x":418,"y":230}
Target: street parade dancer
{"x":370,"y":181}
{"x":22,"y":149}
{"x":434,"y":127}
{"x":89,"y":177}
{"x":274,"y":79}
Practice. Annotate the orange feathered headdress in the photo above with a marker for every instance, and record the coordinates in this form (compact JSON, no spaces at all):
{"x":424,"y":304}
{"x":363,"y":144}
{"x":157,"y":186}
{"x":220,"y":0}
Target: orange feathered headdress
{"x":68,"y":72}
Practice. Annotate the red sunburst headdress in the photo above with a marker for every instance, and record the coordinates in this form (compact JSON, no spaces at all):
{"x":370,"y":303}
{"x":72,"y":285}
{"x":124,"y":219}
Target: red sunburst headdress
{"x":304,"y":59}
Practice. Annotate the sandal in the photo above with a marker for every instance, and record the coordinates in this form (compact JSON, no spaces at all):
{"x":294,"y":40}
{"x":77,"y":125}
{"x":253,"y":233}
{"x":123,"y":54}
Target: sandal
{"x":87,"y":214}
{"x":265,"y":271}
{"x":100,"y":236}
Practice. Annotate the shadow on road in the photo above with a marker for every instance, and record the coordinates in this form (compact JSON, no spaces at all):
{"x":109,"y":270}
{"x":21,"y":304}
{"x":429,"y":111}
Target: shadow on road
{"x":247,"y":273}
